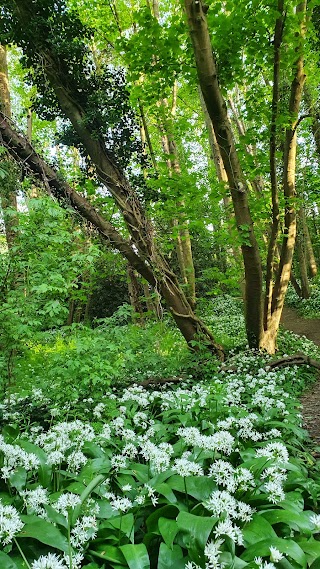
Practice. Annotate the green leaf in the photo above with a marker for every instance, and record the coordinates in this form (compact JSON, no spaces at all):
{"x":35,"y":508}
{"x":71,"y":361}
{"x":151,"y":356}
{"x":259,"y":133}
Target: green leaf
{"x":257,"y":530}
{"x":43,"y":531}
{"x":168,"y":511}
{"x":136,"y":556}
{"x":196,"y":529}
{"x":19,"y":478}
{"x":55,"y":517}
{"x":108,"y":553}
{"x":199,"y":487}
{"x":6,"y":562}
{"x":124,"y":523}
{"x":295,"y":521}
{"x":286,"y":546}
{"x":168,"y":529}
{"x":311,"y":547}
{"x":170,"y":558}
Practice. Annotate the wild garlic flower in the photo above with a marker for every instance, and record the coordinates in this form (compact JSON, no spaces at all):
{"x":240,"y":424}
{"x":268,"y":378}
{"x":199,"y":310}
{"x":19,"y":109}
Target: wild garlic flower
{"x":274,"y":451}
{"x":221,"y":441}
{"x":84,"y":529}
{"x":186,"y":467}
{"x":14,"y":456}
{"x":75,"y":460}
{"x":275,"y":554}
{"x":121,"y":504}
{"x":226,"y":527}
{"x":223,"y":473}
{"x":275,"y":492}
{"x":212,"y":551}
{"x":315,"y":520}
{"x":10,"y":523}
{"x":118,"y":461}
{"x":191,"y":565}
{"x":158,"y":456}
{"x":50,"y":561}
{"x":221,"y":502}
{"x":66,"y":502}
{"x":35,"y":499}
{"x":106,"y":432}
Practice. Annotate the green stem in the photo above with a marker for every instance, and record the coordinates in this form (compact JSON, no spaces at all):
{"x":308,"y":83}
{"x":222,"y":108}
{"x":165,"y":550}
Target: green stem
{"x":69,"y":540}
{"x":185,"y":489}
{"x":21,"y":553}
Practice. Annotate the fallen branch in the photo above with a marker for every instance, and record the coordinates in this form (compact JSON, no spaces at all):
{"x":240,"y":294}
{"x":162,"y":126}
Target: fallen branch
{"x":297,"y":359}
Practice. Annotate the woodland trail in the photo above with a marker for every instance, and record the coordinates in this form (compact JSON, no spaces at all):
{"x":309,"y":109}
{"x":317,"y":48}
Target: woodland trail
{"x":309,"y":327}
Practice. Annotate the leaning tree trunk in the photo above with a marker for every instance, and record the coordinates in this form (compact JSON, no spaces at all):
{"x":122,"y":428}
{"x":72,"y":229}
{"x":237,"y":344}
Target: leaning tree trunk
{"x":154,"y":269}
{"x":144,"y":255}
{"x":216,"y":106}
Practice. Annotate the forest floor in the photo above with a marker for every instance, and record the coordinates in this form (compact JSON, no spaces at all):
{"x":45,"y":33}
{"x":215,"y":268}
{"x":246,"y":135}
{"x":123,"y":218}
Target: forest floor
{"x":309,"y":327}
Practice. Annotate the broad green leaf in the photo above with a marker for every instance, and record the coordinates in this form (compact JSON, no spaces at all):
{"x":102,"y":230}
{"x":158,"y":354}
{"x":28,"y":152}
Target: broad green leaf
{"x":125,"y":524}
{"x":199,"y":487}
{"x":6,"y":562}
{"x":43,"y":531}
{"x":286,"y":546}
{"x":136,"y":556}
{"x":168,"y":511}
{"x":19,"y":478}
{"x":195,"y":531}
{"x":55,"y":517}
{"x":296,"y":521}
{"x":311,"y":547}
{"x":168,"y":529}
{"x":170,"y":558}
{"x":258,"y":529}
{"x":108,"y":553}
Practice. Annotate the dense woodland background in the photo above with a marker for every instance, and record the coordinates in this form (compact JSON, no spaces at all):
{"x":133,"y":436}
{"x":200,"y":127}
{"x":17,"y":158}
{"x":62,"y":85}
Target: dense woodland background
{"x":159,"y":191}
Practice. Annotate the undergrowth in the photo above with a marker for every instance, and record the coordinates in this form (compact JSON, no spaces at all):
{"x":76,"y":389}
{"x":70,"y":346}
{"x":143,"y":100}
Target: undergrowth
{"x":204,"y":474}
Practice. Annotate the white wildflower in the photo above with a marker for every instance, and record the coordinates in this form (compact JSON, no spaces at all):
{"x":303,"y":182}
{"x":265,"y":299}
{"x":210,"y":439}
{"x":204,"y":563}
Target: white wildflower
{"x":10,"y":523}
{"x":121,"y":504}
{"x":84,"y":529}
{"x":186,"y":467}
{"x":225,"y":527}
{"x":50,"y":561}
{"x":315,"y":520}
{"x":66,"y":502}
{"x":275,"y":554}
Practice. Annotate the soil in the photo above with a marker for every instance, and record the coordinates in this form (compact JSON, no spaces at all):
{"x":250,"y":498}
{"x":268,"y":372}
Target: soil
{"x":311,"y":399}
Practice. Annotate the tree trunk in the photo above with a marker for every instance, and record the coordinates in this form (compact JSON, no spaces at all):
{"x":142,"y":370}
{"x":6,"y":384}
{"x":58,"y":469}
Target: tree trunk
{"x":302,"y":256}
{"x":217,"y":110}
{"x":8,"y":185}
{"x":152,"y":267}
{"x":134,"y":294}
{"x":183,"y":241}
{"x":144,"y":255}
{"x":289,"y":172}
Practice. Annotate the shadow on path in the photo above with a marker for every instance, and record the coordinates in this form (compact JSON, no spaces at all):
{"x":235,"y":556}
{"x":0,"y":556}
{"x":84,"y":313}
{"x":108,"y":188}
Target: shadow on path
{"x":309,"y":327}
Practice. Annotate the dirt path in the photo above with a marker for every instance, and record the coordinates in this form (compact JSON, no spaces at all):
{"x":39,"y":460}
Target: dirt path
{"x":311,"y":399}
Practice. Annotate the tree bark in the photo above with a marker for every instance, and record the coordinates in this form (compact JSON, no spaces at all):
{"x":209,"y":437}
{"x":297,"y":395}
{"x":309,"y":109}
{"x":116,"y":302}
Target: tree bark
{"x":134,"y":293}
{"x":289,"y":172}
{"x":216,"y":106}
{"x":302,"y":256}
{"x":272,"y":247}
{"x":183,"y":240}
{"x":8,"y":195}
{"x":145,"y":256}
{"x":153,"y":268}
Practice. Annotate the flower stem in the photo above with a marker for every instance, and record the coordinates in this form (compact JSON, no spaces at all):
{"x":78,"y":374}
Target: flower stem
{"x":21,"y":553}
